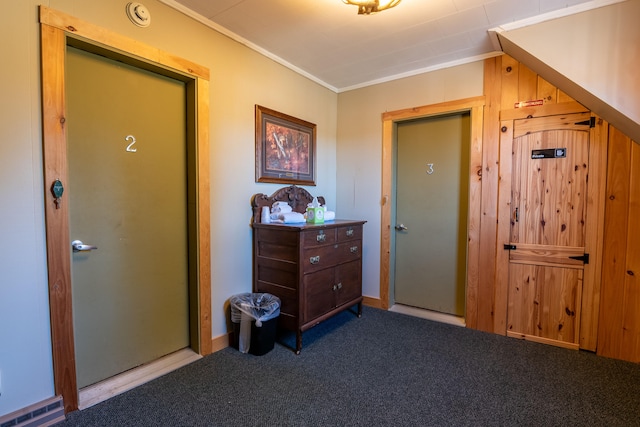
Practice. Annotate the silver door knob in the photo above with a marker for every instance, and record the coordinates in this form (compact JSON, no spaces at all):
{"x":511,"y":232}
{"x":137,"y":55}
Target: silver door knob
{"x":401,"y":227}
{"x":78,"y":246}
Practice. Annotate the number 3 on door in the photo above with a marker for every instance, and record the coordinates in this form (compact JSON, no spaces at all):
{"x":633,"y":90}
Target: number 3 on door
{"x":430,"y":168}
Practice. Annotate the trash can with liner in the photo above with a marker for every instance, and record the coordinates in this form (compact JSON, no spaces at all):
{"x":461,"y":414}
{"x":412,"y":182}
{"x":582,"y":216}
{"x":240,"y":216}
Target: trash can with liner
{"x":254,"y":318}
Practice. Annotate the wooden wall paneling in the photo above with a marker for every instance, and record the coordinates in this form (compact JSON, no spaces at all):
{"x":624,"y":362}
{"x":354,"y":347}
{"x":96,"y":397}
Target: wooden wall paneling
{"x":615,"y":244}
{"x":630,"y":346}
{"x":474,"y":217}
{"x":527,"y":84}
{"x":563,"y":97}
{"x":509,"y":91}
{"x":546,"y":91}
{"x":598,"y":142}
{"x":504,"y":227}
{"x":483,"y":318}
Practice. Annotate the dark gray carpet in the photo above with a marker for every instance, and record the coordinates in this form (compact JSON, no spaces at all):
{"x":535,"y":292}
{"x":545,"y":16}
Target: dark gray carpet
{"x":385,"y":369}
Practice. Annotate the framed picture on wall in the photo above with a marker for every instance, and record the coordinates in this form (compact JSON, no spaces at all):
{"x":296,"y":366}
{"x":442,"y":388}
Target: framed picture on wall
{"x":285,"y":148}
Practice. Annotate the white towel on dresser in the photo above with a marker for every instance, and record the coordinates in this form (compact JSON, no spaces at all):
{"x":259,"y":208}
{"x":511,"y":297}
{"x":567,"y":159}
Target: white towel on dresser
{"x":281,"y":207}
{"x":288,"y":217}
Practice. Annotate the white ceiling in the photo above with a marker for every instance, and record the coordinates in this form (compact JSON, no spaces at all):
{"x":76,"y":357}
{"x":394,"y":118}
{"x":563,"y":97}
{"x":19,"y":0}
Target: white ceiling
{"x":329,"y":42}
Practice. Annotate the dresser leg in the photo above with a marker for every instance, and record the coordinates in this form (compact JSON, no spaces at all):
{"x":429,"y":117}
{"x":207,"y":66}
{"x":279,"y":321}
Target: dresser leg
{"x":360,"y":309}
{"x":298,"y":342}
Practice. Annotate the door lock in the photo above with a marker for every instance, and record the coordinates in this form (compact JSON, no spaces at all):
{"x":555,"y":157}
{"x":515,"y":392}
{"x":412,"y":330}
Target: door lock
{"x":401,"y":227}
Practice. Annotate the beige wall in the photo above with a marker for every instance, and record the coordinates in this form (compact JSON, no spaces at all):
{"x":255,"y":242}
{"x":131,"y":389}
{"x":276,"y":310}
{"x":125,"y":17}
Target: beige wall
{"x":240,"y":78}
{"x":359,"y":155}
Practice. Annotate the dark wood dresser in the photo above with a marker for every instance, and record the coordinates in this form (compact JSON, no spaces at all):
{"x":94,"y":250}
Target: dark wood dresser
{"x":315,"y":270}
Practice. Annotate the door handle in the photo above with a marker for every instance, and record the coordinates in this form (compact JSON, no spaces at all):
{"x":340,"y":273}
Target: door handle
{"x":78,"y":246}
{"x":401,"y":227}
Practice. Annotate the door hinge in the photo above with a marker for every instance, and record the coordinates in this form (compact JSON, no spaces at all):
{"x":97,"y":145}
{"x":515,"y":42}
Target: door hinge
{"x":509,"y":247}
{"x":584,"y":258}
{"x":591,"y":122}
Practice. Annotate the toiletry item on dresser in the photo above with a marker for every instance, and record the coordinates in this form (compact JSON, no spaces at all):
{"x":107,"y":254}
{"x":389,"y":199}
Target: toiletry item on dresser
{"x":265,"y":216}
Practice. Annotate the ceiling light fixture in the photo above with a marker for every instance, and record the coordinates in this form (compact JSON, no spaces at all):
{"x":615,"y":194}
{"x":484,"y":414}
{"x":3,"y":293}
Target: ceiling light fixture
{"x":367,"y":7}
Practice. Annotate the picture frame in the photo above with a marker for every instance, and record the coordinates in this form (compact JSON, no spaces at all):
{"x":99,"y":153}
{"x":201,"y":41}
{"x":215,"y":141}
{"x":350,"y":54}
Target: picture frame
{"x":285,"y":148}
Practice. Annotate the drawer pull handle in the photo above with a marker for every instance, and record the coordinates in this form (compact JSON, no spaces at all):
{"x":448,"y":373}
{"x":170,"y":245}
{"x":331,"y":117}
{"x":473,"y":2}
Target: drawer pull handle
{"x":339,"y":285}
{"x":314,"y":259}
{"x":354,"y":249}
{"x":350,"y":232}
{"x":321,"y":237}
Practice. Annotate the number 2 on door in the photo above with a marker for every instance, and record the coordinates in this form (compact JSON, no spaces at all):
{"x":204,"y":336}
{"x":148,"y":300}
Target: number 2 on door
{"x":130,"y":146}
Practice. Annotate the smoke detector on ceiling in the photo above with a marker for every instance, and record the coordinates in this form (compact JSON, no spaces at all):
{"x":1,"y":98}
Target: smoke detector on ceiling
{"x":138,"y":14}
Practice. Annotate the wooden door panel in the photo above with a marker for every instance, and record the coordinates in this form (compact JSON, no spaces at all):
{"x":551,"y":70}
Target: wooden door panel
{"x":550,"y":194}
{"x":551,"y":255}
{"x":550,"y":158}
{"x":542,"y":124}
{"x":544,"y":303}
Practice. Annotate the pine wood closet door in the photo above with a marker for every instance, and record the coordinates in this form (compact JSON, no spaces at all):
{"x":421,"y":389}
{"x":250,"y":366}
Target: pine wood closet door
{"x":550,"y":166}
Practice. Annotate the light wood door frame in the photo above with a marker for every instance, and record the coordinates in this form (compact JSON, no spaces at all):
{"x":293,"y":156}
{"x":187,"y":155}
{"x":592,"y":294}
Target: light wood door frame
{"x":390,"y":119}
{"x":59,"y":30}
{"x":594,"y":213}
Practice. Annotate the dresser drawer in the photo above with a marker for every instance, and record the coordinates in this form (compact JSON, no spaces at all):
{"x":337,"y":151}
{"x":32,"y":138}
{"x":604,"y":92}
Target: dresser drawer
{"x":351,"y":232}
{"x":349,"y":251}
{"x":315,"y":259}
{"x":313,"y":238}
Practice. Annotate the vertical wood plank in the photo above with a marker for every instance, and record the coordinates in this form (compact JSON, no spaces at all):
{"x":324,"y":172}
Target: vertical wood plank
{"x":53,"y":47}
{"x":527,"y":84}
{"x":474,"y":217}
{"x":563,"y":97}
{"x":630,"y":340}
{"x":504,"y":228}
{"x":615,"y":244}
{"x":509,"y":87}
{"x":594,"y":236}
{"x":546,"y":91}
{"x":489,"y":196}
